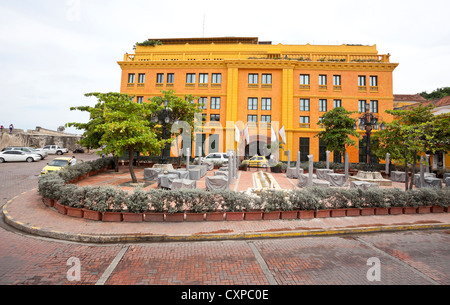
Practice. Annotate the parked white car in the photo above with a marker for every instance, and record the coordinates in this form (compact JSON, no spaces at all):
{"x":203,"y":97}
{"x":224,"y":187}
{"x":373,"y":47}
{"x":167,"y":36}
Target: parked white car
{"x":17,"y":156}
{"x":54,"y":149}
{"x":31,"y":150}
{"x":217,"y":158}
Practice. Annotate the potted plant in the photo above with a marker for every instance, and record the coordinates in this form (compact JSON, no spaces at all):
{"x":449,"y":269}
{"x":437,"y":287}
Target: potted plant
{"x":212,"y":206}
{"x":72,"y":197}
{"x":155,"y":212}
{"x":136,"y":203}
{"x":278,"y":168}
{"x":272,"y":201}
{"x":244,"y":165}
{"x":195,"y":201}
{"x":174,"y":206}
{"x":234,"y":203}
{"x":304,"y":202}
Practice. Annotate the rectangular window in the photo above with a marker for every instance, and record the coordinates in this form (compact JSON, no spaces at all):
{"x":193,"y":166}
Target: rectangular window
{"x":140,"y":99}
{"x":252,"y":103}
{"x":266,"y":79}
{"x":361,"y":81}
{"x":253,"y":78}
{"x":336,"y":80}
{"x":322,"y":151}
{"x":304,"y":79}
{"x":160,"y":78}
{"x":266,"y":104}
{"x":304,"y":149}
{"x":141,"y":79}
{"x":362,"y":106}
{"x":170,"y":78}
{"x":337,"y":103}
{"x":322,"y":105}
{"x":304,"y":122}
{"x":131,"y":77}
{"x":373,"y":81}
{"x":322,"y":80}
{"x":204,"y":101}
{"x":190,"y":78}
{"x":374,"y":106}
{"x":215,"y":117}
{"x":203,"y":78}
{"x":252,"y":118}
{"x":215,"y":103}
{"x":266,"y":118}
{"x":304,"y":104}
{"x":216,"y":78}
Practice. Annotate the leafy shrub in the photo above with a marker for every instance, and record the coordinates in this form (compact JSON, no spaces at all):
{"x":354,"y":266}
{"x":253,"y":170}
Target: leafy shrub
{"x":303,"y":200}
{"x":138,"y":201}
{"x":274,"y":201}
{"x":157,"y":200}
{"x":49,"y":185}
{"x":72,"y":196}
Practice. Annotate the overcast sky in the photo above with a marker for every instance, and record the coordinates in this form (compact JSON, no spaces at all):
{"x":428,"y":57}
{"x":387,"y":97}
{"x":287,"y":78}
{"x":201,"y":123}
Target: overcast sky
{"x":52,"y":52}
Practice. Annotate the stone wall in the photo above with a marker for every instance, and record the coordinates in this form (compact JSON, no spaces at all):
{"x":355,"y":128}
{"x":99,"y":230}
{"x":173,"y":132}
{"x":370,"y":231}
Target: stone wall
{"x":38,"y":139}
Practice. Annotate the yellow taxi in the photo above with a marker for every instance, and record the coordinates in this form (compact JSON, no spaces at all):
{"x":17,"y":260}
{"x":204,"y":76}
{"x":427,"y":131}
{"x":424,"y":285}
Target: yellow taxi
{"x":258,"y":161}
{"x":56,"y":165}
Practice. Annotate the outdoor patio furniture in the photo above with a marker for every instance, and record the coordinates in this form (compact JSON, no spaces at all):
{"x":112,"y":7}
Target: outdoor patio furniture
{"x":291,"y":172}
{"x":184,"y":184}
{"x":166,"y":180}
{"x":362,"y":185}
{"x":447,"y":182}
{"x":426,"y":175}
{"x":336,"y":179}
{"x":322,"y":173}
{"x":432,"y":182}
{"x":209,"y":165}
{"x":220,"y":173}
{"x":203,"y":169}
{"x":223,"y":169}
{"x":320,"y":183}
{"x":303,"y":179}
{"x":397,"y":176}
{"x":194,"y":174}
{"x":216,"y":183}
{"x":151,"y":174}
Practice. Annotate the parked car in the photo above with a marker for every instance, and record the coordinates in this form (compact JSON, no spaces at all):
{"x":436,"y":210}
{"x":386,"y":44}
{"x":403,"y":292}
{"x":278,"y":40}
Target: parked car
{"x":56,"y":165}
{"x":42,"y":154}
{"x":217,"y":158}
{"x":258,"y":161}
{"x":54,"y":149}
{"x":17,"y":156}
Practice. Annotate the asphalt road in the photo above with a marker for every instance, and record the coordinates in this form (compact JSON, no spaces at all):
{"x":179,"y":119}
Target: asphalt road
{"x":419,"y":257}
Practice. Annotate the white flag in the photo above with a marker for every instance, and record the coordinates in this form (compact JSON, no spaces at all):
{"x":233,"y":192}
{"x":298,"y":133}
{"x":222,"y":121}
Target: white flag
{"x":236,"y":133}
{"x":246,"y":135}
{"x":273,"y":135}
{"x":283,"y":134}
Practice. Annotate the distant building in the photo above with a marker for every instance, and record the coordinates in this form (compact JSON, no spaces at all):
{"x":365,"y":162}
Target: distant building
{"x":263,"y":86}
{"x":402,"y":100}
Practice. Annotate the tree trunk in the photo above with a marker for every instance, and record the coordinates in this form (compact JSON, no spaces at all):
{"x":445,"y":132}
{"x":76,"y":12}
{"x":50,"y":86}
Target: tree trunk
{"x":406,"y":169}
{"x":413,"y":171}
{"x":116,"y":164}
{"x":130,"y":164}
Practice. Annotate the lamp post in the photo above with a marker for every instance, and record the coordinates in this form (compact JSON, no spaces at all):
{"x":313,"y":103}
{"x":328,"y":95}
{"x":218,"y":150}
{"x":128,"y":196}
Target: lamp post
{"x":164,"y":117}
{"x":368,"y":121}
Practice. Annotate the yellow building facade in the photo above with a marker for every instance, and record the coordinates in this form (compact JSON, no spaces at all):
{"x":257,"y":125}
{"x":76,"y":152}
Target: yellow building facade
{"x":263,"y":86}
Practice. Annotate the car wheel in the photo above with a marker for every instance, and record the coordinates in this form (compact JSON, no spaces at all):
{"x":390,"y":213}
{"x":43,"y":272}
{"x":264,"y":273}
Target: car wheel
{"x":264,"y":166}
{"x":30,"y":160}
{"x":2,"y":160}
{"x":59,"y":152}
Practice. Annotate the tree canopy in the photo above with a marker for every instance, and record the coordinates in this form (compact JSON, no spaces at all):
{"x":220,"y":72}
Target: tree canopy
{"x":438,"y":93}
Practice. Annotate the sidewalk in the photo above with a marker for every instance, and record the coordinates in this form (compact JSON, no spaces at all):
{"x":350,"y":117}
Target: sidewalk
{"x":28,"y":213}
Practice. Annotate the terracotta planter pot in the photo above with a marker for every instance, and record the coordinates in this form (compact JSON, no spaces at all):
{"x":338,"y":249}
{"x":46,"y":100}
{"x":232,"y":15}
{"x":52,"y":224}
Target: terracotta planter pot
{"x":437,"y":209}
{"x":112,"y":217}
{"x":195,"y":217}
{"x":133,"y":217}
{"x":409,"y":210}
{"x":446,"y":210}
{"x":306,"y":214}
{"x":274,"y":215}
{"x":60,"y":208}
{"x":153,"y":217}
{"x":381,"y":211}
{"x":92,"y":215}
{"x":289,"y":214}
{"x":353,"y":212}
{"x":175,"y":217}
{"x":339,"y":213}
{"x":253,"y":215}
{"x":233,"y":216}
{"x":424,"y":210}
{"x":214,"y":216}
{"x":396,"y":211}
{"x":323,"y":213}
{"x":367,"y":211}
{"x":49,"y":202}
{"x":74,"y":212}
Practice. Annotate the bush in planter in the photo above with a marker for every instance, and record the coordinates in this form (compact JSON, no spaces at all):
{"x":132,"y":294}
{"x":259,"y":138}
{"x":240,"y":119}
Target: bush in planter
{"x":49,"y":185}
{"x":234,"y":201}
{"x":395,"y":197}
{"x":72,"y":196}
{"x":303,"y":200}
{"x":274,"y":200}
{"x":138,"y":201}
{"x":157,"y":200}
{"x":373,"y":198}
{"x":105,"y":199}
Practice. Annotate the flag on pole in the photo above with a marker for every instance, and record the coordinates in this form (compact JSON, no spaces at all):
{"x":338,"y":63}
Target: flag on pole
{"x":246,"y":135}
{"x":283,"y":134}
{"x":237,"y":137}
{"x":273,"y":135}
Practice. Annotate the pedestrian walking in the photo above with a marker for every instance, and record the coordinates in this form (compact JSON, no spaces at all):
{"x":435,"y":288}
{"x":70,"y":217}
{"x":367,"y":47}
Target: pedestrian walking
{"x":11,"y":127}
{"x":73,"y":161}
{"x":1,"y":128}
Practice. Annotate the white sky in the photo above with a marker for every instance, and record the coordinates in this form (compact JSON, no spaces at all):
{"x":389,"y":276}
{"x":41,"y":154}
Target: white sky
{"x":52,"y":52}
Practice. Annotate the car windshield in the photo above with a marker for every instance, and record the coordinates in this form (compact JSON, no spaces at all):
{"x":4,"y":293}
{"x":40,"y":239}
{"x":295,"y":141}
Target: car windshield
{"x":58,"y":163}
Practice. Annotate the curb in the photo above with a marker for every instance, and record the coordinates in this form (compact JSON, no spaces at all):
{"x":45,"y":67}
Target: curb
{"x":151,"y":238}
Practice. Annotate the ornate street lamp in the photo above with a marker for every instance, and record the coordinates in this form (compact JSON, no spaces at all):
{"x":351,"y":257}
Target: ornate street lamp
{"x":369,"y":121}
{"x":164,"y":117}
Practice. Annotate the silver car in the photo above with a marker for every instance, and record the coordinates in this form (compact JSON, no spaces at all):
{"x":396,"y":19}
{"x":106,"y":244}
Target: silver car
{"x":42,"y":154}
{"x":17,"y":156}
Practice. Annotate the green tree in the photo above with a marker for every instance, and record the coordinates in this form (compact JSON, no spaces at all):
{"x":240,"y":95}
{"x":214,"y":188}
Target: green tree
{"x":120,"y":125}
{"x":438,"y":93}
{"x":338,"y":129}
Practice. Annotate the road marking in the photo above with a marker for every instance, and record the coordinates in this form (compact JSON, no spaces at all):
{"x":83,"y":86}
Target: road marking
{"x":105,"y":276}
{"x":424,"y":276}
{"x":262,"y":263}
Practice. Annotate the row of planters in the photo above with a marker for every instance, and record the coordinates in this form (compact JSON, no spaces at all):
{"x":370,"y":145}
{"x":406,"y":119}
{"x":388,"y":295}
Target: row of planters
{"x":110,"y":204}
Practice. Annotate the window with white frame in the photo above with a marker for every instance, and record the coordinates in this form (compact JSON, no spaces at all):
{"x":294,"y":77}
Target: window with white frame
{"x":215,"y":103}
{"x":216,"y":78}
{"x":131,"y":77}
{"x":140,"y":99}
{"x":204,"y":101}
{"x":190,"y":78}
{"x":361,"y":80}
{"x":322,"y":105}
{"x":251,"y":118}
{"x":373,"y":81}
{"x":336,"y":80}
{"x":266,"y":79}
{"x":304,"y":79}
{"x":337,"y":103}
{"x":141,"y":78}
{"x":203,"y":78}
{"x":322,"y":80}
{"x":362,"y":106}
{"x":252,"y":103}
{"x":160,"y":78}
{"x":170,"y":78}
{"x":304,"y":104}
{"x":266,"y":103}
{"x":252,"y":78}
{"x":374,"y":106}
{"x":266,"y":118}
